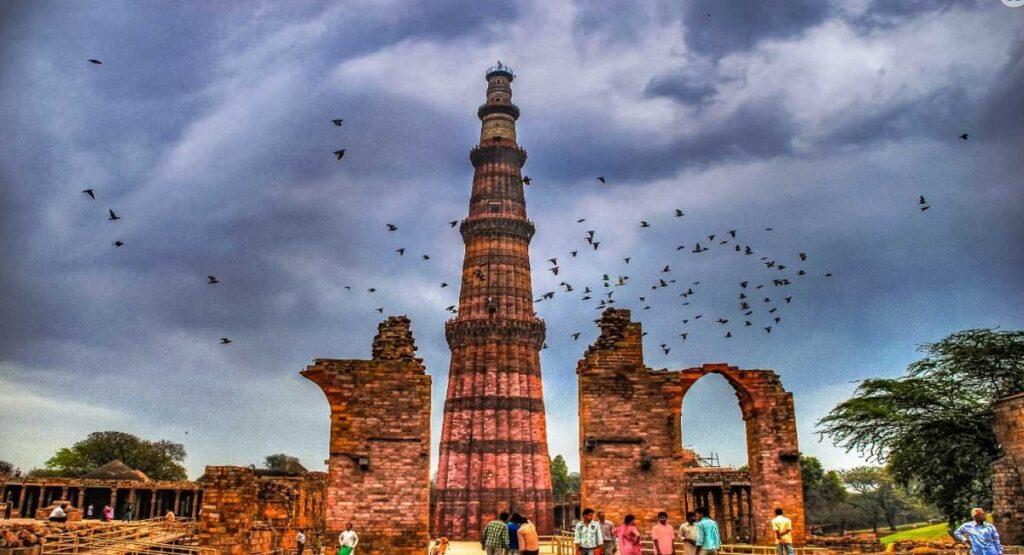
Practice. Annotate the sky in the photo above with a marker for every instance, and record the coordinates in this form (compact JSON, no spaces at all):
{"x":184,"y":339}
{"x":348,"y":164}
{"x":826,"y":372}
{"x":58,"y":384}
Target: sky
{"x":207,"y":129}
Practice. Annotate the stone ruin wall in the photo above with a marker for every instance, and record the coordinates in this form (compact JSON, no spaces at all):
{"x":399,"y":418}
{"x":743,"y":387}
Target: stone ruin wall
{"x":379,"y":465}
{"x":254,"y":511}
{"x":631,"y":454}
{"x":1008,"y":472}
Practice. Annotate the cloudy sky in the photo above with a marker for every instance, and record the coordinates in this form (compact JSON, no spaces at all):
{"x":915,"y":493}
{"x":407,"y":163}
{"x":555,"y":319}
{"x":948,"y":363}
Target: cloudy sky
{"x":207,"y":129}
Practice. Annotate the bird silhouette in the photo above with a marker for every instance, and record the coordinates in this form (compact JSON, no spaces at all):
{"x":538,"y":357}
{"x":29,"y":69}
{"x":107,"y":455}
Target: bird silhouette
{"x":337,"y":122}
{"x":380,"y":309}
{"x":963,"y":137}
{"x":443,"y":285}
{"x":224,"y":341}
{"x":732,"y":232}
{"x":803,"y":256}
{"x":574,"y":253}
{"x":90,"y":193}
{"x":595,"y":244}
{"x":371,"y":290}
{"x":553,"y":261}
{"x":401,"y":251}
{"x":575,"y":336}
{"x":581,"y":220}
{"x":554,"y":270}
{"x":212,"y":280}
{"x":95,"y":61}
{"x":644,"y":224}
{"x":340,"y":153}
{"x":426,"y":257}
{"x":391,"y":227}
{"x":453,"y":223}
{"x":666,"y":269}
{"x":601,"y":179}
{"x":627,"y":259}
{"x":117,"y":243}
{"x":679,"y":213}
{"x":113,"y":216}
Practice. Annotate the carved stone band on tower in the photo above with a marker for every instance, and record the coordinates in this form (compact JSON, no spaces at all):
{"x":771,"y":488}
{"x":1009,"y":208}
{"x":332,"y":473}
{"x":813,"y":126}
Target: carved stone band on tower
{"x":494,"y":454}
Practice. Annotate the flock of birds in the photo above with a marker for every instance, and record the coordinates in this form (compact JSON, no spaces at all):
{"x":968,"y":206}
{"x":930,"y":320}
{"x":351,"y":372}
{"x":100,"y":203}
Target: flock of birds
{"x":752,"y":305}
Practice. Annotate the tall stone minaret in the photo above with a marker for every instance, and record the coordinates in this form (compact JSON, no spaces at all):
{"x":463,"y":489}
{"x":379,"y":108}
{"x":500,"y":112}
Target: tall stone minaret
{"x":494,"y":451}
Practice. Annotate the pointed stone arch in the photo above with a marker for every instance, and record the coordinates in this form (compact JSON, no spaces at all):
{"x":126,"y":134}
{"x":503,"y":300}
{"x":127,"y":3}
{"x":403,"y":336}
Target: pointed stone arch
{"x":631,"y":454}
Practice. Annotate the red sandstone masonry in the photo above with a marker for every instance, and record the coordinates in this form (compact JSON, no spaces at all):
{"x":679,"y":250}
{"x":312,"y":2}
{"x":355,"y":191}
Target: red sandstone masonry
{"x":379,"y":465}
{"x":632,"y":459}
{"x":1008,"y":472}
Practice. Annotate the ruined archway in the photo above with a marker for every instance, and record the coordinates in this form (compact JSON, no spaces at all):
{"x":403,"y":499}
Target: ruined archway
{"x":632,"y":459}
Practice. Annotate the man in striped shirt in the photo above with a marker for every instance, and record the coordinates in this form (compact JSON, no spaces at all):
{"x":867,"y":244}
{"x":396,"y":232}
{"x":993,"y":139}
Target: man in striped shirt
{"x":494,"y":538}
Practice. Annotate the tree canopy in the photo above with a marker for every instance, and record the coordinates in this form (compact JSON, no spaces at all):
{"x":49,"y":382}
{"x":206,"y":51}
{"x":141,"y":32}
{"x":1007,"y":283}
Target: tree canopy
{"x":160,"y":460}
{"x":6,"y":468}
{"x":932,"y":427}
{"x":822,"y":490}
{"x":562,"y":481}
{"x":280,"y":461}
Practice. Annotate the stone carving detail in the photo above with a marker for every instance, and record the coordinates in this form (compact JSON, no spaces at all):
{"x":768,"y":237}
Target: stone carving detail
{"x":496,"y":227}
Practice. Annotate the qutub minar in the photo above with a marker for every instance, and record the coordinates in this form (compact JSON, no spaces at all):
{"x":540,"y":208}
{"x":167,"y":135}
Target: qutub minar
{"x":493,"y":453}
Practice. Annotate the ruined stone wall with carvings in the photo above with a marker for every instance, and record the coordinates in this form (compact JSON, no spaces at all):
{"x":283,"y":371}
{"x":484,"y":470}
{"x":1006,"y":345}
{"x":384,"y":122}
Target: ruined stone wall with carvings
{"x":379,"y":463}
{"x":632,"y":459}
{"x":256,"y":511}
{"x":1008,"y":471}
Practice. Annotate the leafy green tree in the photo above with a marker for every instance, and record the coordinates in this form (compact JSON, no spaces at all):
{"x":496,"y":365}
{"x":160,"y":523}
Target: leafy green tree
{"x":6,"y":469}
{"x":280,"y":461}
{"x":160,"y":460}
{"x":562,"y":482}
{"x":880,"y":496}
{"x":823,"y":490}
{"x":933,"y":426}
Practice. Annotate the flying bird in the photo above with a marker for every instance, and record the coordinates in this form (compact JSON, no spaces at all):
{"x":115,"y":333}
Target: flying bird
{"x":963,"y":137}
{"x":732,"y":232}
{"x":574,"y":253}
{"x":371,"y":290}
{"x":337,"y":122}
{"x":527,"y":179}
{"x":401,"y":251}
{"x":644,"y":224}
{"x":212,"y":280}
{"x":380,"y":309}
{"x":117,"y":243}
{"x":90,"y":193}
{"x":453,"y":223}
{"x":679,"y":213}
{"x":426,"y":257}
{"x":554,"y":270}
{"x":391,"y":227}
{"x":553,"y":261}
{"x":339,"y":153}
{"x":224,"y":341}
{"x":803,"y":256}
{"x":95,"y":61}
{"x":113,"y":216}
{"x":443,"y":285}
{"x":601,"y":179}
{"x":575,"y":336}
{"x":627,"y":259}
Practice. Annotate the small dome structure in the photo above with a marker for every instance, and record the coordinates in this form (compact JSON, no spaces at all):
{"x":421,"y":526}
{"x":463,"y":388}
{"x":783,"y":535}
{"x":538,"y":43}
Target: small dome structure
{"x":116,"y":470}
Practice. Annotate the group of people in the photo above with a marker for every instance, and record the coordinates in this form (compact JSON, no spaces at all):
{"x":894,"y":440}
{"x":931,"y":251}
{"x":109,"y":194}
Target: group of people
{"x":510,"y":535}
{"x":699,"y":535}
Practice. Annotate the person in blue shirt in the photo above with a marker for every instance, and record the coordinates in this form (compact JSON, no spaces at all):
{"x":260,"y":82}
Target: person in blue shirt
{"x":980,"y":535}
{"x":513,"y":533}
{"x":708,"y":541}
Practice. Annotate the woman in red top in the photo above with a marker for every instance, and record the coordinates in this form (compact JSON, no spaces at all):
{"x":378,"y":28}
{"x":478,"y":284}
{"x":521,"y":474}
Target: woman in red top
{"x":628,"y":536}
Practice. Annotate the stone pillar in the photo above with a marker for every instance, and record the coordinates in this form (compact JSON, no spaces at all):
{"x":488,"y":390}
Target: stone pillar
{"x":113,"y":500}
{"x":64,"y":494}
{"x":195,"y":503}
{"x":152,"y":504}
{"x":730,"y":530}
{"x":379,"y":465}
{"x":81,"y":499}
{"x":22,"y":495}
{"x":1008,"y":471}
{"x":177,"y":502}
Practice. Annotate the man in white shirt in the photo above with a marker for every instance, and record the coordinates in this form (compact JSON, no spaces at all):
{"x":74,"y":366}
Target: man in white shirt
{"x":688,"y":533}
{"x":300,"y":542}
{"x":783,"y":528}
{"x":58,"y":514}
{"x":348,"y":541}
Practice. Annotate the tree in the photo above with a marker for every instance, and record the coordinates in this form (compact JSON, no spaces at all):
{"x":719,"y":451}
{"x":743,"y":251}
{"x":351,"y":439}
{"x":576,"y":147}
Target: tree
{"x":879,"y":495}
{"x":823,"y":491}
{"x":160,"y":460}
{"x":280,"y":461}
{"x":933,"y":426}
{"x":6,"y":469}
{"x":562,"y":482}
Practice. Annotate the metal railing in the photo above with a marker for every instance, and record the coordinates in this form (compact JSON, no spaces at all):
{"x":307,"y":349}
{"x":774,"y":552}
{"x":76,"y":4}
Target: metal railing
{"x":562,"y":544}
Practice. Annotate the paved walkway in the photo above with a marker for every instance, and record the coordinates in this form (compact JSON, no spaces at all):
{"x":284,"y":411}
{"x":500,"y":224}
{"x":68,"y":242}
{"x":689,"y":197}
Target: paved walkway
{"x":464,"y":548}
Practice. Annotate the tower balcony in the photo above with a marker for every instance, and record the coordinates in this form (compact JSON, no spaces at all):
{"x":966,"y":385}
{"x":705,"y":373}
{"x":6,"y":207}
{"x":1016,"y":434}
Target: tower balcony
{"x":464,"y":332}
{"x":496,"y":227}
{"x":510,"y":110}
{"x":480,"y":154}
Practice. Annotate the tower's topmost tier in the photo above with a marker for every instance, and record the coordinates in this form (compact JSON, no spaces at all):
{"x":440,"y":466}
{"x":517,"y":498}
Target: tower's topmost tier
{"x":501,"y":69}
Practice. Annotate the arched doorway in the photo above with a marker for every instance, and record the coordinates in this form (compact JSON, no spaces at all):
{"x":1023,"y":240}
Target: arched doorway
{"x":632,"y":459}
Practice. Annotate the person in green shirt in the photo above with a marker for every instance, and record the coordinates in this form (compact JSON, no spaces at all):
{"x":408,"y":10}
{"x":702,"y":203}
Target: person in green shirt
{"x":494,"y":538}
{"x":708,"y":541}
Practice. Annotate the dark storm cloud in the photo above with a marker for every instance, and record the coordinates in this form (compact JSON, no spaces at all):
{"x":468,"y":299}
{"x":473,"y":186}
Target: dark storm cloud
{"x":886,"y":14}
{"x":717,"y":28}
{"x":684,"y":88}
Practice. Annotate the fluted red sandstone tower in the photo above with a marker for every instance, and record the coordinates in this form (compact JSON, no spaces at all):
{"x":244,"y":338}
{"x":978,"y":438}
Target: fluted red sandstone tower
{"x":494,"y":453}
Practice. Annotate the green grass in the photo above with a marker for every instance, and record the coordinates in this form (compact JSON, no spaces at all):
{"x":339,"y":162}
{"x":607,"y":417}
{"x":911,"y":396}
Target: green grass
{"x":935,"y":532}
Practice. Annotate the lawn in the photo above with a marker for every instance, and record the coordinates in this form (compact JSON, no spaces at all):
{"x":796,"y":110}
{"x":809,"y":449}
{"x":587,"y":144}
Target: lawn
{"x":934,"y":532}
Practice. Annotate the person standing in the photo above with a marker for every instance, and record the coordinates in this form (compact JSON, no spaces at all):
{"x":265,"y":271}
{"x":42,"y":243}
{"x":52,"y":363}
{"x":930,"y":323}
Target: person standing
{"x":607,"y":533}
{"x":347,"y":541}
{"x":980,"y":535}
{"x":663,"y":535}
{"x":108,"y":513}
{"x":90,"y":512}
{"x":513,"y":533}
{"x":783,"y":528}
{"x":128,"y":513}
{"x":688,"y":533}
{"x":628,"y":536}
{"x":529,"y":541}
{"x":300,"y":542}
{"x":494,"y":538}
{"x":708,"y":541}
{"x":587,"y":534}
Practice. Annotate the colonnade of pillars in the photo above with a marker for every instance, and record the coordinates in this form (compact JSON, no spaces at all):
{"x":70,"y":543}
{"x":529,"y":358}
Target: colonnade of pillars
{"x":28,"y":498}
{"x":730,"y":507}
